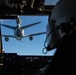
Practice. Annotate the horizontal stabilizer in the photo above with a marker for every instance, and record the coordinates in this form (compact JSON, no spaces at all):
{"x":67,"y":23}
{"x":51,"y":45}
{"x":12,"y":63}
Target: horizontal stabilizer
{"x":27,"y":26}
{"x":8,"y":26}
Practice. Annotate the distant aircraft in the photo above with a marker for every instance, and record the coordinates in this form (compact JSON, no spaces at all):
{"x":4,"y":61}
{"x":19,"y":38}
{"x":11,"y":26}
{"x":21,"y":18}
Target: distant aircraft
{"x":19,"y":30}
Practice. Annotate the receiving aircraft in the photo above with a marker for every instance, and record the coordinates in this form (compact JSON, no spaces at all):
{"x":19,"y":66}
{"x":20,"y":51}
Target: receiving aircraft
{"x":19,"y":30}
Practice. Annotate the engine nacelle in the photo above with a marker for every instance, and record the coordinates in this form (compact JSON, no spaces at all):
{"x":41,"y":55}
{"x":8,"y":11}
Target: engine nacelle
{"x":6,"y":39}
{"x":31,"y":38}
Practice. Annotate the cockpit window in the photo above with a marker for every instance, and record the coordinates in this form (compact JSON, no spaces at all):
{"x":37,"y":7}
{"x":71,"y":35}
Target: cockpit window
{"x":26,"y":47}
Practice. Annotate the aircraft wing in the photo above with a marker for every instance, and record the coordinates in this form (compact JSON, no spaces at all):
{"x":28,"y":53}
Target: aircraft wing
{"x":27,"y":26}
{"x":8,"y":26}
{"x":34,"y":34}
{"x":8,"y":36}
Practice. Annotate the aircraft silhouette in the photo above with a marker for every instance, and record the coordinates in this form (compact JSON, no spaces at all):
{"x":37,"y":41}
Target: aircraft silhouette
{"x":19,"y":30}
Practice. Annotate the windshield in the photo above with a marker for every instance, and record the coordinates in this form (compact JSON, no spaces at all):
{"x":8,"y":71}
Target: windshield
{"x":26,"y":47}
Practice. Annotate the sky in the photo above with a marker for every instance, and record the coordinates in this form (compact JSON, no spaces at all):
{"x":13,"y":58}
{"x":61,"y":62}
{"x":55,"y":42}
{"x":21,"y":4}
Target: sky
{"x":26,"y":47}
{"x":51,"y":2}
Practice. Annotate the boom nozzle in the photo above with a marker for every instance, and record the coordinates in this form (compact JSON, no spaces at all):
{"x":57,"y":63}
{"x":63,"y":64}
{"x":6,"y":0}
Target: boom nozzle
{"x":18,"y":20}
